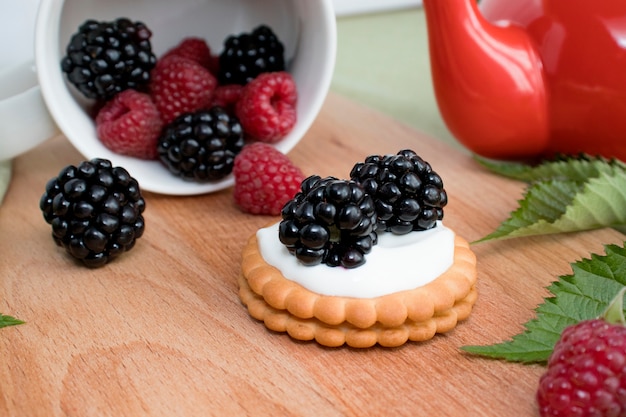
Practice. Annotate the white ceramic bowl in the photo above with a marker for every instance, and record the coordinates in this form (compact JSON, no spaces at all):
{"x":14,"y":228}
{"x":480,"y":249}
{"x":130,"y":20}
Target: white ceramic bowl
{"x":306,"y":28}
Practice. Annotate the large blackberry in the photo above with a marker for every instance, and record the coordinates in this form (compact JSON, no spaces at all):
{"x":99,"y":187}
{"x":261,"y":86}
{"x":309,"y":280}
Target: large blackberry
{"x":329,"y":221}
{"x":105,"y":58}
{"x":201,"y":146}
{"x":408,"y":194}
{"x":249,"y":54}
{"x":95,"y":211}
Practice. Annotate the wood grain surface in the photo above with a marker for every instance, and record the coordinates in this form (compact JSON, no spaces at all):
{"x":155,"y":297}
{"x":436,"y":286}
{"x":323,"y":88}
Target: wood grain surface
{"x":161,"y":331}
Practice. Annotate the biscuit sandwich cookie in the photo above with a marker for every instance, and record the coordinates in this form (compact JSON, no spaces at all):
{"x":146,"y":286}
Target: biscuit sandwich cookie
{"x":363,"y":261}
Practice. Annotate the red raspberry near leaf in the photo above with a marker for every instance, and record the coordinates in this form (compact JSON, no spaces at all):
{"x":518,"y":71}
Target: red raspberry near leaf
{"x":179,"y":85}
{"x":130,"y":124}
{"x":195,"y":49}
{"x":267,"y":106}
{"x":265,"y":179}
{"x":586,"y":373}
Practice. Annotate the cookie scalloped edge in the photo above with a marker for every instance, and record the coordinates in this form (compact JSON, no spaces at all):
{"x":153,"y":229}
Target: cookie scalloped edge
{"x":389,"y":311}
{"x":345,"y":333}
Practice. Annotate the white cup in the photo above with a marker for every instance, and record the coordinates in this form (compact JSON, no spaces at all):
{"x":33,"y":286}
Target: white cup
{"x":306,"y":28}
{"x":24,"y":119}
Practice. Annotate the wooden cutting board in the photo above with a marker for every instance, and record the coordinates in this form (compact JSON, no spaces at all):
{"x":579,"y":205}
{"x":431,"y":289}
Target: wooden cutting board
{"x":161,"y":330}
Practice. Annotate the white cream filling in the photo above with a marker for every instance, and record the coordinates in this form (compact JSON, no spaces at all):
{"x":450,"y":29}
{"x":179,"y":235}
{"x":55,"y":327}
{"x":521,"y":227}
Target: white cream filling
{"x":396,"y":263}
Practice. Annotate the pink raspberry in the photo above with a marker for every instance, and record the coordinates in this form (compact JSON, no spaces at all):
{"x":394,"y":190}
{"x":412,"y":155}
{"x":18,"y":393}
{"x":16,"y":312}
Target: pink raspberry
{"x":586,"y":374}
{"x":179,"y":85}
{"x":267,"y":106}
{"x":130,"y":124}
{"x":265,"y":179}
{"x":227,"y":96}
{"x":195,"y":49}
{"x":215,"y":64}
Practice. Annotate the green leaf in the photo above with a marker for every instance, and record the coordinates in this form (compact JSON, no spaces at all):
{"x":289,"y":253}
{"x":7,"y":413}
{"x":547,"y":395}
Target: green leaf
{"x":6,"y":321}
{"x":566,"y":196}
{"x":542,"y":204}
{"x":614,"y":313}
{"x":583,"y":295}
{"x":568,"y":168}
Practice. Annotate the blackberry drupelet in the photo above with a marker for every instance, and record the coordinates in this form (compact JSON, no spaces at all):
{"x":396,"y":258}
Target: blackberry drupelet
{"x":408,"y":194}
{"x":249,"y":54}
{"x":105,"y":58}
{"x":201,"y":146}
{"x":329,"y":221}
{"x":95,"y":211}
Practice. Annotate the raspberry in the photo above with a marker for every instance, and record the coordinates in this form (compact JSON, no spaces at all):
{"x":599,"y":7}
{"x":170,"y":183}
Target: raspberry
{"x":105,"y":58}
{"x":227,"y":96}
{"x":267,"y":106}
{"x":215,"y":65}
{"x":247,"y":55}
{"x":195,"y":49}
{"x":586,"y":372}
{"x":95,"y":211}
{"x":180,"y":85}
{"x":130,"y":124}
{"x":265,"y":179}
{"x":329,"y":221}
{"x":201,"y":146}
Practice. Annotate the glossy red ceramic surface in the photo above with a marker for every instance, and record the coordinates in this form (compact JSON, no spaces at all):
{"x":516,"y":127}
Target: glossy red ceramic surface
{"x":530,"y":78}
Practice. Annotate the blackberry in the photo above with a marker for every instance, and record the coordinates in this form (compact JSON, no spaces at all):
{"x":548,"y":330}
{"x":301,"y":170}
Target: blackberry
{"x":329,"y":221}
{"x":105,"y":58}
{"x":95,"y":211}
{"x":249,"y":54}
{"x":201,"y":146}
{"x":408,"y":194}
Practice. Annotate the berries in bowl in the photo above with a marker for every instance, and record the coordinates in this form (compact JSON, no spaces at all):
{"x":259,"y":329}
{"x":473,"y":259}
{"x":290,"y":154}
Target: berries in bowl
{"x":306,"y":30}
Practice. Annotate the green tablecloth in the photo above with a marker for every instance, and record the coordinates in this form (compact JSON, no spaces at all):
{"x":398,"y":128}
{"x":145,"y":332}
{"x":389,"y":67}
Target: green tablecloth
{"x":382,"y":61}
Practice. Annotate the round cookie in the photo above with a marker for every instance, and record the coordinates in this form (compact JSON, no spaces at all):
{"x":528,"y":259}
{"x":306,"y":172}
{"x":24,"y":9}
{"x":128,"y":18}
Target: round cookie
{"x":389,"y":320}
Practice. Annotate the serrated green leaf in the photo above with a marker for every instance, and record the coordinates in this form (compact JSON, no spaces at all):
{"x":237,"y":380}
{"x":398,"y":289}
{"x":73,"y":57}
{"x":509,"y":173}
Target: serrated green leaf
{"x":6,"y":321}
{"x":571,"y":168}
{"x":542,"y":204}
{"x":601,"y":203}
{"x":582,"y":295}
{"x":559,"y":206}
